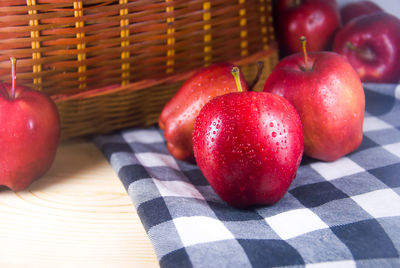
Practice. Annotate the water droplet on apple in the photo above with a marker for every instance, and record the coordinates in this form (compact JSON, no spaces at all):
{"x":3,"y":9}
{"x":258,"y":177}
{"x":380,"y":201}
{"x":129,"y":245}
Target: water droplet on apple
{"x":271,"y":124}
{"x":273,"y":134}
{"x":212,"y":139}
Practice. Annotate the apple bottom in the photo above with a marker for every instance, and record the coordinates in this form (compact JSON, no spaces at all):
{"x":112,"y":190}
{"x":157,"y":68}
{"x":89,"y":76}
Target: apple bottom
{"x":178,"y":143}
{"x":20,"y":176}
{"x":27,"y":154}
{"x":333,"y":141}
{"x":253,"y":189}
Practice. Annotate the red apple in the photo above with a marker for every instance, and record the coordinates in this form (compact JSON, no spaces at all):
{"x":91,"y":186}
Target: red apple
{"x":29,"y":134}
{"x":328,"y":94}
{"x":178,"y":115}
{"x":248,"y":146}
{"x":318,"y":20}
{"x":371,"y":43}
{"x":356,"y":9}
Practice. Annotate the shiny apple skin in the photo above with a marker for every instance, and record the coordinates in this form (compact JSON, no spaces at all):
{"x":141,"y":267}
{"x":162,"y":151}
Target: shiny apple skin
{"x":29,"y":136}
{"x":378,"y":38}
{"x":356,"y":9}
{"x":248,"y":146}
{"x":329,"y":98}
{"x":318,"y":20}
{"x":178,"y":115}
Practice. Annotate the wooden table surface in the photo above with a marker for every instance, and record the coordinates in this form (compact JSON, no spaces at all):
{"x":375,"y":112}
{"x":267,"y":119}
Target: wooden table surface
{"x":77,"y":215}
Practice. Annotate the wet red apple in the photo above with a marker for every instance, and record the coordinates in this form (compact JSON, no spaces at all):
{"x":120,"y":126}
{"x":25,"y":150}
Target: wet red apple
{"x":248,"y":146}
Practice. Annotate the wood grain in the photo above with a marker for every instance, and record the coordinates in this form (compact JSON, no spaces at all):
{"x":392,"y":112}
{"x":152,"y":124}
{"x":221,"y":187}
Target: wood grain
{"x":78,"y":214}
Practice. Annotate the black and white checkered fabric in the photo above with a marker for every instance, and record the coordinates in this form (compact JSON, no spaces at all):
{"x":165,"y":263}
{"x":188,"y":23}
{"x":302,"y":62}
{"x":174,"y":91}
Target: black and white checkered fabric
{"x":340,"y":214}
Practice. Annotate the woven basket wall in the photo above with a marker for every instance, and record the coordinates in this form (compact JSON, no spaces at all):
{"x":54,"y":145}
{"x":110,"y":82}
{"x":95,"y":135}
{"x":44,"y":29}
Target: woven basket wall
{"x":114,"y":64}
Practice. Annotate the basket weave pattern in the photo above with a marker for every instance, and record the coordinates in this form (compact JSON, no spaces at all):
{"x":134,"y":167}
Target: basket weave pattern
{"x":113,"y":64}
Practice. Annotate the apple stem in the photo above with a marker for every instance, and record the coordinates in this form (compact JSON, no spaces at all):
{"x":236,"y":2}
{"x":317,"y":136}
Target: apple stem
{"x":235,"y":73}
{"x":303,"y":41}
{"x":13,"y":76}
{"x":351,"y":46}
{"x":362,"y":52}
{"x":260,"y":67}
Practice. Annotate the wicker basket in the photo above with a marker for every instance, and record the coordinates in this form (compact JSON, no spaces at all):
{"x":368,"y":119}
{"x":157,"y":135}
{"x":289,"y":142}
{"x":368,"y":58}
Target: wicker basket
{"x":114,"y":64}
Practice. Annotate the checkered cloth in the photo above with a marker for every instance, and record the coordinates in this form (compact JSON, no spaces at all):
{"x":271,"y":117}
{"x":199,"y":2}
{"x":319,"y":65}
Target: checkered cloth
{"x":344,"y":214}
